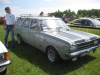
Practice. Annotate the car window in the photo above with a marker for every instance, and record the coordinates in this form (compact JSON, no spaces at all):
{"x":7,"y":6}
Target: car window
{"x":20,"y":22}
{"x":78,"y":21}
{"x":86,"y":23}
{"x":27,"y":23}
{"x":83,"y":22}
{"x":47,"y":24}
{"x":34,"y":25}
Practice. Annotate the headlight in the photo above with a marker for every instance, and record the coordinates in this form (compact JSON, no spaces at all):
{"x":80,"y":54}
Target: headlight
{"x":73,"y":48}
{"x":2,"y":57}
{"x":96,"y":42}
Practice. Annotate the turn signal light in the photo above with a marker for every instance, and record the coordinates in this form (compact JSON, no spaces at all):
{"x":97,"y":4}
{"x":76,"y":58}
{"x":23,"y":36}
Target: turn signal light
{"x":6,"y":56}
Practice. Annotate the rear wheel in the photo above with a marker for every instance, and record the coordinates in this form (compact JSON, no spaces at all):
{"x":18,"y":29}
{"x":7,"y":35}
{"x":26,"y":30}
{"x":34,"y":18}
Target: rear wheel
{"x":19,"y":39}
{"x":53,"y":55}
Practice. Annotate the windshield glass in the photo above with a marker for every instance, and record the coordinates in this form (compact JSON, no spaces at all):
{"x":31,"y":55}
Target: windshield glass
{"x":96,"y":22}
{"x":53,"y":24}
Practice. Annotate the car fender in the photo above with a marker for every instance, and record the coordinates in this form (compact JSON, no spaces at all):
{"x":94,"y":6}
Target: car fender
{"x":2,"y":48}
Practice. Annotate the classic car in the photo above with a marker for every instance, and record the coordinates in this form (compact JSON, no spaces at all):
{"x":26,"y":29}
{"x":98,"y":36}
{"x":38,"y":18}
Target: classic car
{"x":4,"y":61}
{"x":52,"y":36}
{"x":85,"y":22}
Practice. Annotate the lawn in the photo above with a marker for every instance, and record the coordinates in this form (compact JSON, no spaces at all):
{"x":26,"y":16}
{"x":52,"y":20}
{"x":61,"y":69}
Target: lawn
{"x":27,"y":60}
{"x":89,"y":30}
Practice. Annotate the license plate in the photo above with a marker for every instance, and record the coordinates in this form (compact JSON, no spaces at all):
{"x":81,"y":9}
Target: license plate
{"x":84,"y":54}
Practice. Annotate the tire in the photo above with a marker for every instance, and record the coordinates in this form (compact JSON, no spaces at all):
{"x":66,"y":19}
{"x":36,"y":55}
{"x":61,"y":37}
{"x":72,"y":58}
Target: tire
{"x":19,"y":40}
{"x":4,"y":72}
{"x":53,"y":55}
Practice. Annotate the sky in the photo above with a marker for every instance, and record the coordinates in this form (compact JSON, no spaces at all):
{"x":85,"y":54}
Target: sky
{"x":36,"y":6}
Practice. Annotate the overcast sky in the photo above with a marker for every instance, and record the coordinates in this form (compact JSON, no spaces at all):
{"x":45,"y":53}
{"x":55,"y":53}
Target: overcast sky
{"x":36,"y":6}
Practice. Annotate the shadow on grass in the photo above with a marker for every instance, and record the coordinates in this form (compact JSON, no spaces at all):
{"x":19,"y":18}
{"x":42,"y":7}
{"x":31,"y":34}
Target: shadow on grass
{"x":39,"y":59}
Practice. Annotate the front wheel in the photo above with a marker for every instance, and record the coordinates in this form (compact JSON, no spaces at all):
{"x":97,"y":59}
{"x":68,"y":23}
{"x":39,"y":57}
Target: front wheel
{"x":53,"y":55}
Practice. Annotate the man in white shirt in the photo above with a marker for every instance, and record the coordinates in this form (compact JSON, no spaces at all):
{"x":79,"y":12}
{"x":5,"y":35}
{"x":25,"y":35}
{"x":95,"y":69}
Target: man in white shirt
{"x":9,"y":26}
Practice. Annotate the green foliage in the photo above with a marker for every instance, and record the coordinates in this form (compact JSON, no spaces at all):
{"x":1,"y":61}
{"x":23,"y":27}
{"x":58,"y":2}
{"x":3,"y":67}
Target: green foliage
{"x":80,"y":13}
{"x":60,"y":14}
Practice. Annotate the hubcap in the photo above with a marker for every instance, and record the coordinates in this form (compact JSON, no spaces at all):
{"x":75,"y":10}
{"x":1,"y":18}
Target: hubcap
{"x":51,"y":55}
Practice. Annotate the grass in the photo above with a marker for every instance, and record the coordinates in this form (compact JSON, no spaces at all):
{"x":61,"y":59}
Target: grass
{"x":27,"y":60}
{"x":94,"y":31}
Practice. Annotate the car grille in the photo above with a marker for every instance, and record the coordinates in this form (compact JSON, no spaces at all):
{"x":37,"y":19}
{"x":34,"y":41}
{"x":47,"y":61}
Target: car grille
{"x":85,"y":45}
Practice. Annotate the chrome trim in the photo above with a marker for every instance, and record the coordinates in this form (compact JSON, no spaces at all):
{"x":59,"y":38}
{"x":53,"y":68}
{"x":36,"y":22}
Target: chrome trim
{"x":5,"y":63}
{"x":81,"y":51}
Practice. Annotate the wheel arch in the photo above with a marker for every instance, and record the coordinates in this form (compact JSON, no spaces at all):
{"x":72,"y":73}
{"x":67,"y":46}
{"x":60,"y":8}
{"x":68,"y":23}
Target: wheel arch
{"x":54,"y":48}
{"x":50,"y":46}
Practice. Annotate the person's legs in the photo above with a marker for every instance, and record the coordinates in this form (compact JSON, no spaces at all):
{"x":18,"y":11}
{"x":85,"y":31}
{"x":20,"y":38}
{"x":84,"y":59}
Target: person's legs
{"x":12,"y":35}
{"x":6,"y":36}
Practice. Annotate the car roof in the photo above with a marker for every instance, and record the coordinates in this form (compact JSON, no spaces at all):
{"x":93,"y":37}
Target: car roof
{"x":35,"y":16}
{"x":41,"y":18}
{"x":86,"y":18}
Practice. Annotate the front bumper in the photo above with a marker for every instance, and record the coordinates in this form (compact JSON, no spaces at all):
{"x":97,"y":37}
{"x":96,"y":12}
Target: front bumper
{"x":75,"y":54}
{"x":5,"y":63}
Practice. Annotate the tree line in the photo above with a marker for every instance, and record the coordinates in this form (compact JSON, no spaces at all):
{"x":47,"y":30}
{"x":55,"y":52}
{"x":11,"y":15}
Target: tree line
{"x":80,"y":13}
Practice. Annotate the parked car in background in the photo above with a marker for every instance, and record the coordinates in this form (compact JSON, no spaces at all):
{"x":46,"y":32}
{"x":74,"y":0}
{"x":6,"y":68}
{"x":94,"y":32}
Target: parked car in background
{"x":52,"y":36}
{"x":2,"y":20}
{"x":85,"y":22}
{"x":4,"y":61}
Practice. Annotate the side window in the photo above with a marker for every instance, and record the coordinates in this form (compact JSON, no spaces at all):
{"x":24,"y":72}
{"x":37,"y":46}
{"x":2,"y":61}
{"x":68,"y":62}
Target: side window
{"x":90,"y":23}
{"x":43,"y":25}
{"x":78,"y":22}
{"x":20,"y":22}
{"x":34,"y":25}
{"x":83,"y":22}
{"x":27,"y":23}
{"x":87,"y":23}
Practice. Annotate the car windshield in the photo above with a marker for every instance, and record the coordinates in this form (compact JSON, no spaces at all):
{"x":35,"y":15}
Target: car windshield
{"x":96,"y":22}
{"x":53,"y":24}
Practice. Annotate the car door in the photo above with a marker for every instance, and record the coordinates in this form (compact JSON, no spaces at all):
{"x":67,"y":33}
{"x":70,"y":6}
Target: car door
{"x":77,"y":23}
{"x":83,"y":23}
{"x":25,"y":30}
{"x":34,"y":33}
{"x":19,"y":26}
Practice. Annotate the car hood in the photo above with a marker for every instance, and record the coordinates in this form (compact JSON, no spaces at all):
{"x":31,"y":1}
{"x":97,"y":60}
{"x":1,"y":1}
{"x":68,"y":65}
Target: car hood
{"x":2,"y":48}
{"x":74,"y":36}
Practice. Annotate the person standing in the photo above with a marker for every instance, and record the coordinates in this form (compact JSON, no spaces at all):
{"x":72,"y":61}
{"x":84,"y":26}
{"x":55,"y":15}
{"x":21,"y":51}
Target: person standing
{"x":9,"y":26}
{"x":72,"y":17}
{"x":64,"y":18}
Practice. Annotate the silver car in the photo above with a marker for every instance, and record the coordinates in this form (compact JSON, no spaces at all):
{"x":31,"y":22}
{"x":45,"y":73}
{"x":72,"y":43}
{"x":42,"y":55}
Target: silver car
{"x":55,"y":38}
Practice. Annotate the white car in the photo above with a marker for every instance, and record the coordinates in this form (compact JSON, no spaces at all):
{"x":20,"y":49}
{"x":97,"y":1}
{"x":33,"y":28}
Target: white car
{"x":4,"y":61}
